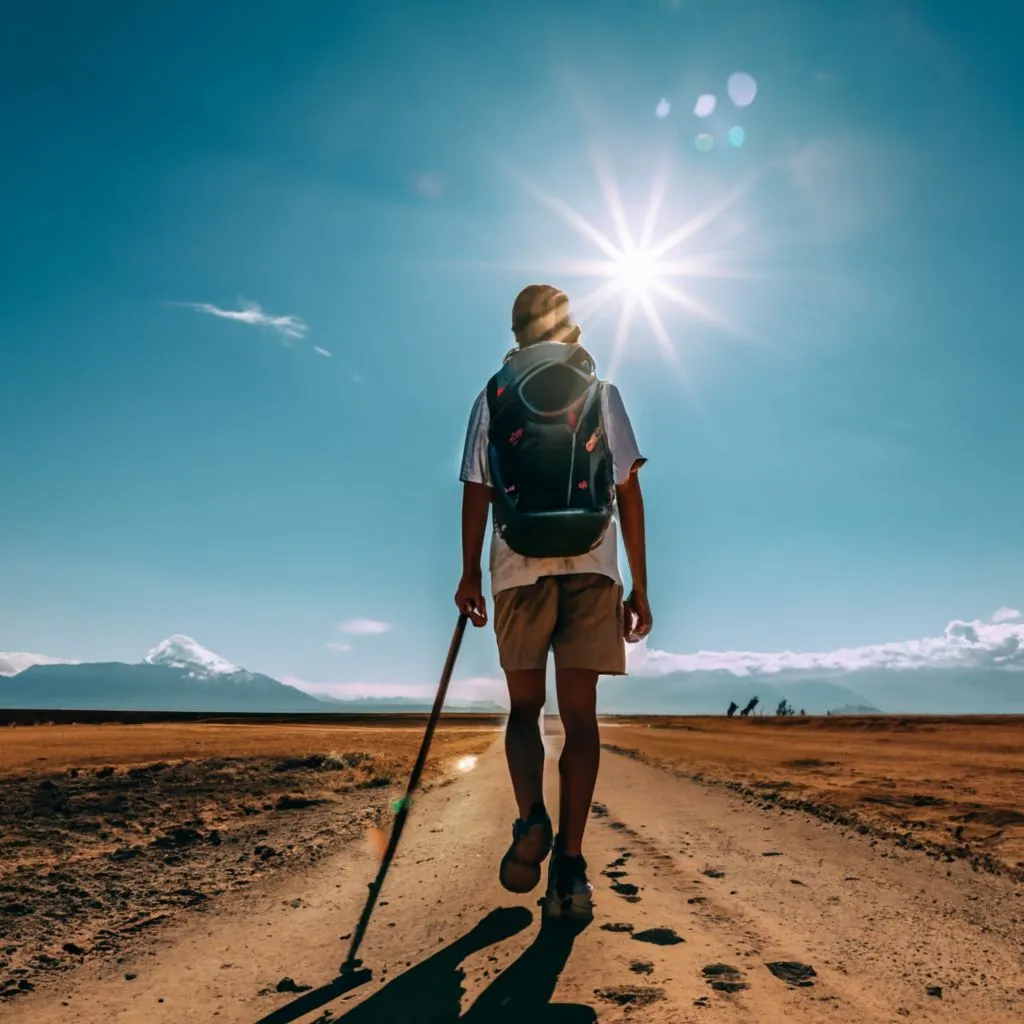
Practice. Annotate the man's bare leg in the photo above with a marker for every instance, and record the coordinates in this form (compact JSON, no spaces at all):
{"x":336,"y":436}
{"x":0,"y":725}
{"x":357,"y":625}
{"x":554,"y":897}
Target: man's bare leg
{"x":524,"y":748}
{"x":581,"y":755}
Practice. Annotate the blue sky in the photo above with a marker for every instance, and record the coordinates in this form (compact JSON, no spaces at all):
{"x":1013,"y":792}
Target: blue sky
{"x":834,"y":452}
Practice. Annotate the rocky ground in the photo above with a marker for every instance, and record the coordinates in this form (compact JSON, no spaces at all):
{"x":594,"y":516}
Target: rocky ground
{"x":91,"y":858}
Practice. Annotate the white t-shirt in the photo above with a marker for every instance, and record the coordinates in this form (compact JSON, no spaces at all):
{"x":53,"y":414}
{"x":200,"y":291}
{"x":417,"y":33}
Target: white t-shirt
{"x":509,"y":569}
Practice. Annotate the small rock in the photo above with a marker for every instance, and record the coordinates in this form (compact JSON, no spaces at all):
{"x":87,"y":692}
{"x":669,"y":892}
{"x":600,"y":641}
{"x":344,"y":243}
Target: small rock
{"x":616,"y":926}
{"x":176,"y":838}
{"x":935,"y":991}
{"x":73,"y":948}
{"x":17,"y":909}
{"x":641,"y":967}
{"x":130,"y":976}
{"x":289,"y":985}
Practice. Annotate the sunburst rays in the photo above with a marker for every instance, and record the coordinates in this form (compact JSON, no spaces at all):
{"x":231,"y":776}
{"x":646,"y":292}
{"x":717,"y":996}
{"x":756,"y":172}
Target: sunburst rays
{"x":642,"y":268}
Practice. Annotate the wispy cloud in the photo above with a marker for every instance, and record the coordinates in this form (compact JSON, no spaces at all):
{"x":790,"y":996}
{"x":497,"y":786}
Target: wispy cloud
{"x":322,"y":352}
{"x":995,"y":644}
{"x":252,"y":313}
{"x":430,"y":186}
{"x":363,"y":627}
{"x":338,"y":645}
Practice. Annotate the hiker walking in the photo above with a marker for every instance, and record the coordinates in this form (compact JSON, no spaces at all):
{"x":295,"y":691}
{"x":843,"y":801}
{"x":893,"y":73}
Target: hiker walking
{"x":550,"y":450}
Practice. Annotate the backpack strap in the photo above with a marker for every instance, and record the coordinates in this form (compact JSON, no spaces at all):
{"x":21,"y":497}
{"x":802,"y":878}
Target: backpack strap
{"x":524,"y":361}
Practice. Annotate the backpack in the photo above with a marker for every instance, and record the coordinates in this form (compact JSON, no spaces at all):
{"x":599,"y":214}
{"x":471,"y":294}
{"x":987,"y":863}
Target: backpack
{"x":550,"y":464}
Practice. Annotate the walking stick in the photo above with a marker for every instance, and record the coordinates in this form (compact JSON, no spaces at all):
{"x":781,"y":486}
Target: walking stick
{"x":351,"y":962}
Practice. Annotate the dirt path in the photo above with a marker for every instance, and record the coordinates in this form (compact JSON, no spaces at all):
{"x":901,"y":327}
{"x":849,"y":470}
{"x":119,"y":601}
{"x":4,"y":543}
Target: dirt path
{"x":890,"y":934}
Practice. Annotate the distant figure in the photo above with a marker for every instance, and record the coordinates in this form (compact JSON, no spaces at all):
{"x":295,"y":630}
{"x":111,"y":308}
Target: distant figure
{"x":551,"y":452}
{"x":751,"y":704}
{"x":733,"y":708}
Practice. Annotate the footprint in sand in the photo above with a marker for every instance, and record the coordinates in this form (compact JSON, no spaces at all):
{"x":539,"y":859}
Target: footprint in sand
{"x":614,"y":874}
{"x":616,"y":926}
{"x":627,"y":890}
{"x":659,"y":936}
{"x":792,"y":973}
{"x":630,"y":995}
{"x":641,"y":967}
{"x":724,"y":978}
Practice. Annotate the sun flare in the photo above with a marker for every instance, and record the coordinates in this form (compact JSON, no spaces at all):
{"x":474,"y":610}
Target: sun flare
{"x":642,"y":271}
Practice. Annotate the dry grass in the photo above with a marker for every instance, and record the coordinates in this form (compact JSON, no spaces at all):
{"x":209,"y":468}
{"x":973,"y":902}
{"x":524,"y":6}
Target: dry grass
{"x":952,"y":781}
{"x":43,"y":749}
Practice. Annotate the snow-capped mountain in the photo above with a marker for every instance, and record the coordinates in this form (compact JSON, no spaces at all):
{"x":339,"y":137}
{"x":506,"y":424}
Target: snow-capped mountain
{"x":13,"y":662}
{"x":177,"y":675}
{"x":183,"y":652}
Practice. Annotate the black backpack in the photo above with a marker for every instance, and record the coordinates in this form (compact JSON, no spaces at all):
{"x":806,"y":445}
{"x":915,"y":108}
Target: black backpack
{"x":551,"y":467}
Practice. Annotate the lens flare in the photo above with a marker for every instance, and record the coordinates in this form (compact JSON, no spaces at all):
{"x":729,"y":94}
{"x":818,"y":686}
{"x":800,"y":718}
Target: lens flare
{"x":705,"y":105}
{"x":466,"y":764}
{"x":737,"y":136}
{"x":742,"y":88}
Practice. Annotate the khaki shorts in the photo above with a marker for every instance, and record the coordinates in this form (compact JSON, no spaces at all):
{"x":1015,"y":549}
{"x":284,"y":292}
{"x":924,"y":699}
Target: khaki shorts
{"x":579,"y":616}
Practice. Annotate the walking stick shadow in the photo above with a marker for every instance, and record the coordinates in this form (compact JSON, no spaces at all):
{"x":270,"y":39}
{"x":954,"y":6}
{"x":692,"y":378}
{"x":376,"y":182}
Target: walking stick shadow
{"x":431,"y":992}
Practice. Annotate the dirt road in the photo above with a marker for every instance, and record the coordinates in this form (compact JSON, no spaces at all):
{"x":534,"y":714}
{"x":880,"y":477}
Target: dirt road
{"x":698,"y":893}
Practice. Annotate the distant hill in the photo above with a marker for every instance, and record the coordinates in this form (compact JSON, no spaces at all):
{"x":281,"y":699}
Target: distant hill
{"x":400,"y":705}
{"x":709,"y":693}
{"x":855,"y":709}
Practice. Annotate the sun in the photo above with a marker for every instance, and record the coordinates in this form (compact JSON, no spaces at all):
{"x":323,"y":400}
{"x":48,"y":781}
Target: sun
{"x":636,"y":271}
{"x":643,"y":272}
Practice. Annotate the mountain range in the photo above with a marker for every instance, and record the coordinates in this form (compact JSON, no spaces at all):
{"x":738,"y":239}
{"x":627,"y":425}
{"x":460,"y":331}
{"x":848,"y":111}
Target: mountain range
{"x":178,"y":674}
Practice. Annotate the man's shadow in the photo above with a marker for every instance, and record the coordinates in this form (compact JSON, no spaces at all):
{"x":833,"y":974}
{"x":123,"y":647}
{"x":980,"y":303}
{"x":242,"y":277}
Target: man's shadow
{"x":431,"y":992}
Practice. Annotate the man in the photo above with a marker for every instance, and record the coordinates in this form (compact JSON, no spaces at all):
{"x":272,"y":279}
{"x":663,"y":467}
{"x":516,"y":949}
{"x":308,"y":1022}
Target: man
{"x":551,"y":448}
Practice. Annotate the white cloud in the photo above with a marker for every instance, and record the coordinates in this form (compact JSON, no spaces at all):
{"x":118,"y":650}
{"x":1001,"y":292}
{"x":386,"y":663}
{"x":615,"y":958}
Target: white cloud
{"x":339,"y":646}
{"x":363,"y":627}
{"x":998,"y":644}
{"x":252,"y":313}
{"x":18,"y":661}
{"x":475,"y":688}
{"x":1005,"y":614}
{"x":321,"y":352}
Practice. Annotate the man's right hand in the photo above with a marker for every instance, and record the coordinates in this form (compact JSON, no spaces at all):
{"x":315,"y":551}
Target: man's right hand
{"x":469,"y":599}
{"x":638,"y":618}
